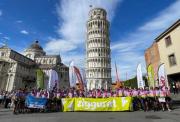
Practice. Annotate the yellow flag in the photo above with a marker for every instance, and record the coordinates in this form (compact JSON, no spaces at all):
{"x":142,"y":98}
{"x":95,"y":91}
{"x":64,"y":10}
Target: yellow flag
{"x":151,"y":81}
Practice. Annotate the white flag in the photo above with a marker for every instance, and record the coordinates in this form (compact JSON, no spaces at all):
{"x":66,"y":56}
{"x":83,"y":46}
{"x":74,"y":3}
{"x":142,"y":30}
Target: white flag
{"x":53,"y":80}
{"x":140,"y":81}
{"x":163,"y":82}
{"x":72,"y":78}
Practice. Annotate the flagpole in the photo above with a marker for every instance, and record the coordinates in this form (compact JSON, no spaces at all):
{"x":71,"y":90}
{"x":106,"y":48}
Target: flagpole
{"x":117,"y":76}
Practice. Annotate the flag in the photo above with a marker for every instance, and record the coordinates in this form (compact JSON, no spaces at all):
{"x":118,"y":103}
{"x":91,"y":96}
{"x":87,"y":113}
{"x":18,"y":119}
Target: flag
{"x":156,"y":76}
{"x":40,"y":78}
{"x":33,"y":102}
{"x":151,"y":81}
{"x":118,"y":82}
{"x":72,"y":79}
{"x":46,"y":78}
{"x":117,"y":76}
{"x":140,"y":81}
{"x":53,"y":79}
{"x":163,"y":81}
{"x":79,"y":77}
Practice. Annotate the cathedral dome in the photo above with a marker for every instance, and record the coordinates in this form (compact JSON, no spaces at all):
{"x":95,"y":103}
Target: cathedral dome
{"x":34,"y":50}
{"x":35,"y":46}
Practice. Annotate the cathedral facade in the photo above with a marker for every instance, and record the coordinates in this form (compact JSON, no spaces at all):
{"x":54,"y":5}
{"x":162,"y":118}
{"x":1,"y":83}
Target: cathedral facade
{"x":19,"y":70}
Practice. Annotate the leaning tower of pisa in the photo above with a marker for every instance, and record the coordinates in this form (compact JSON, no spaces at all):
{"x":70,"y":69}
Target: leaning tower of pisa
{"x":98,"y":53}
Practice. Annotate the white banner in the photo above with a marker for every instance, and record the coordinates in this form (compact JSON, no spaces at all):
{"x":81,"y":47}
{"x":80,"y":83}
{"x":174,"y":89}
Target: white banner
{"x":140,"y":81}
{"x":53,"y":80}
{"x":163,"y":82}
{"x":72,"y":77}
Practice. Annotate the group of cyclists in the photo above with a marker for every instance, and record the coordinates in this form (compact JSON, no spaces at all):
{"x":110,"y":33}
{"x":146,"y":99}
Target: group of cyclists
{"x":143,"y":99}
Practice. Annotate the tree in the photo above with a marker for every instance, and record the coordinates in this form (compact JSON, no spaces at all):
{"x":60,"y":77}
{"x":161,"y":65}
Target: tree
{"x":133,"y":82}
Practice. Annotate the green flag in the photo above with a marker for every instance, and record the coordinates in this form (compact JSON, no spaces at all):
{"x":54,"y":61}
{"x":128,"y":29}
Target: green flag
{"x":40,"y":79}
{"x":151,"y":81}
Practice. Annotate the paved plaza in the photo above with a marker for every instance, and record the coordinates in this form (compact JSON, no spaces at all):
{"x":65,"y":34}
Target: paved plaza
{"x":138,"y":116}
{"x":6,"y":115}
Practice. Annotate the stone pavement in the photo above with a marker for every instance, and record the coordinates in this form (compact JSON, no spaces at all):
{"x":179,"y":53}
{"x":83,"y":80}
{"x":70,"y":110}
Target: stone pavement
{"x":175,"y":97}
{"x":137,"y":116}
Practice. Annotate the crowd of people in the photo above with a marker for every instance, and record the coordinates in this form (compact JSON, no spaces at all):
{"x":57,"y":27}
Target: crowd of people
{"x":143,"y":99}
{"x":5,"y":98}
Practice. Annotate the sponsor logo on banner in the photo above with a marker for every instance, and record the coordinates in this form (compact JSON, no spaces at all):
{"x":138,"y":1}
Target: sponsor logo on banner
{"x":124,"y":101}
{"x":163,"y":82}
{"x":33,"y":102}
{"x":97,"y":104}
{"x":93,"y":105}
{"x":68,"y":104}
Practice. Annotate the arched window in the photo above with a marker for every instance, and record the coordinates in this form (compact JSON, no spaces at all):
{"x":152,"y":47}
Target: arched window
{"x":94,"y":13}
{"x":99,"y":24}
{"x":50,"y":61}
{"x":44,"y":61}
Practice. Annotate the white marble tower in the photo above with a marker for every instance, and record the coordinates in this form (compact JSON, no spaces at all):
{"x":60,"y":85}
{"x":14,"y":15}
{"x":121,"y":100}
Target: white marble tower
{"x":98,"y":53}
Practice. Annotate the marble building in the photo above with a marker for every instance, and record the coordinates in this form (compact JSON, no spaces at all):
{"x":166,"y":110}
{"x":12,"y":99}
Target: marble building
{"x":19,"y":70}
{"x":98,"y":52}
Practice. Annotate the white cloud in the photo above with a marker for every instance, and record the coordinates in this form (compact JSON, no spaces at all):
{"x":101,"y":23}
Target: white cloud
{"x":1,"y":13}
{"x":6,"y":38}
{"x":24,"y":32}
{"x":56,"y":46}
{"x":75,"y":56}
{"x":19,"y":21}
{"x":73,"y":15}
{"x":130,"y":49}
{"x":164,"y":19}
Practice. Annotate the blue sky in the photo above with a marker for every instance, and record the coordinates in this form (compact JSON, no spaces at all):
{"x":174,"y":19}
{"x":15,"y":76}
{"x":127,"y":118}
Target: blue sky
{"x":60,"y":26}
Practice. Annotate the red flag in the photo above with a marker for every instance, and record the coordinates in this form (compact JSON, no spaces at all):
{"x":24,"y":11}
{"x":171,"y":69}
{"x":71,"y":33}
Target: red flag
{"x":118,"y":82}
{"x":79,"y":77}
